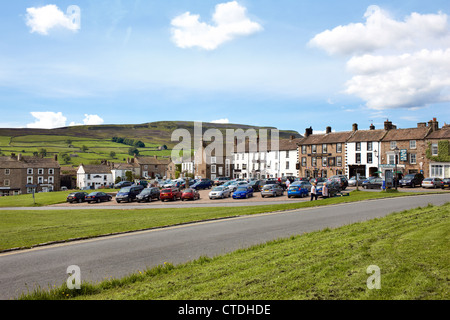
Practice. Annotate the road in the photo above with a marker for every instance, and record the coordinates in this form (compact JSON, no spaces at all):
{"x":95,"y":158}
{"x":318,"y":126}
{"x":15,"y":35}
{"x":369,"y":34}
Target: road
{"x":117,"y":256}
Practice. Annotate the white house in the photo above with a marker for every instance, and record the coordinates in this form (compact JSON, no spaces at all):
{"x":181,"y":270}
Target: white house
{"x":94,"y":176}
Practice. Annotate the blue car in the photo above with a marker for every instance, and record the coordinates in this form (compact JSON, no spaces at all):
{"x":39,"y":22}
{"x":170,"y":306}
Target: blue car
{"x":243,"y":192}
{"x":297,"y":191}
{"x":202,"y":184}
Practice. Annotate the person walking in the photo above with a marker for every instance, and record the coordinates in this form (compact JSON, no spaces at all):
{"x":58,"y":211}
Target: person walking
{"x":313,"y":192}
{"x":325,"y":191}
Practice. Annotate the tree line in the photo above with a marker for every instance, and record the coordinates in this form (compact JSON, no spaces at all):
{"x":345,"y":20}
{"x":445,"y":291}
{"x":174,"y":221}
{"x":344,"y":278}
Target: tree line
{"x":129,"y":142}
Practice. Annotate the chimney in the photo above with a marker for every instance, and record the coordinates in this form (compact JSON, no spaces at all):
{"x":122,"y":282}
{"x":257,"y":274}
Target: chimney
{"x":422,"y":125}
{"x":291,"y":137}
{"x":355,"y":127}
{"x":433,"y":124}
{"x":55,"y":157}
{"x":128,"y":160}
{"x":372,"y":127}
{"x":308,"y":131}
{"x":13,"y":155}
{"x":328,"y":130}
{"x":388,"y":125}
{"x":19,"y":157}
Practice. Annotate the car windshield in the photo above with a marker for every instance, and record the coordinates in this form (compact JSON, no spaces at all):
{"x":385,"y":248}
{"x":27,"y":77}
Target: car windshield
{"x":428,"y":179}
{"x":166,"y":191}
{"x":267,"y":187}
{"x":94,"y":193}
{"x":241,"y":189}
{"x":294,"y":187}
{"x":124,"y":190}
{"x":218,"y":189}
{"x":72,"y":194}
{"x":409,"y":176}
{"x":146,"y":191}
{"x":188,"y":191}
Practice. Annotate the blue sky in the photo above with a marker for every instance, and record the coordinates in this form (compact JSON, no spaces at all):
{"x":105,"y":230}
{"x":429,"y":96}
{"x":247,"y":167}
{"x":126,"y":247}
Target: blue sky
{"x":290,"y":64}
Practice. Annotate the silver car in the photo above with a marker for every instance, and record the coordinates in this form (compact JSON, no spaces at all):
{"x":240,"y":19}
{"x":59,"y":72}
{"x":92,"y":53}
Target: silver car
{"x":219,"y":193}
{"x":273,"y":190}
{"x":432,"y":183}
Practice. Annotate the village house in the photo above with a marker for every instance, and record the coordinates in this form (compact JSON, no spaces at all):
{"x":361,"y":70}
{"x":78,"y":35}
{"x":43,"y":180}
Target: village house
{"x":323,"y":155}
{"x":210,"y":164}
{"x":94,"y":176}
{"x":22,"y":175}
{"x":438,"y":151}
{"x":153,"y":167}
{"x":119,"y":170}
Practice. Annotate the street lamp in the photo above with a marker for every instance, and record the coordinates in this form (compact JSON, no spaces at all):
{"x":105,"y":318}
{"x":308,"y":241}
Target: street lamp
{"x":396,"y":152}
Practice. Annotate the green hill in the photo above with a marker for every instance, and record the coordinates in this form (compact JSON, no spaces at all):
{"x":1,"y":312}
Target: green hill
{"x":91,"y":143}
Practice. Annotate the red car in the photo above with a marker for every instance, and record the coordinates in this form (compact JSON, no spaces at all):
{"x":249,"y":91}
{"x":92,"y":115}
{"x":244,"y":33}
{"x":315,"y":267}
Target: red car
{"x":170,"y":194}
{"x":190,"y":194}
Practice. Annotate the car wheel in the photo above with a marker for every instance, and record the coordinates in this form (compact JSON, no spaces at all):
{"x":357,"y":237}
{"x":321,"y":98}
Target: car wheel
{"x":98,"y":200}
{"x":80,"y":200}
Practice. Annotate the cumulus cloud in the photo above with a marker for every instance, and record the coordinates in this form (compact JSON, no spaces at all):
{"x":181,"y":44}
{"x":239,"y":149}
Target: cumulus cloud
{"x":395,"y":64}
{"x":42,"y":19}
{"x":47,"y":120}
{"x":221,"y":121}
{"x":229,"y":21}
{"x":89,"y":119}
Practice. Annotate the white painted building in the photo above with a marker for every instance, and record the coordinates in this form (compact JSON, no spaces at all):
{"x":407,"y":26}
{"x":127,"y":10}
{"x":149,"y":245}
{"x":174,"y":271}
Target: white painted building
{"x":94,"y":176}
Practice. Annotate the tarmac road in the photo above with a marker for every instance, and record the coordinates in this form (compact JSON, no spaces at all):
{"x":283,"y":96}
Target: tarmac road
{"x":117,"y":256}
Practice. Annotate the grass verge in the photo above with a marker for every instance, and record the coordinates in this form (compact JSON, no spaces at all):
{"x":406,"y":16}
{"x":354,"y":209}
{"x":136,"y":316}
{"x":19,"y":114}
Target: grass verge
{"x":25,"y":229}
{"x":409,"y":247}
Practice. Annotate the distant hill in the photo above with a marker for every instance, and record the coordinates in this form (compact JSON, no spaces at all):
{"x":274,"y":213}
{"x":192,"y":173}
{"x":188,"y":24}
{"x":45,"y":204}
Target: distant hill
{"x":91,"y":143}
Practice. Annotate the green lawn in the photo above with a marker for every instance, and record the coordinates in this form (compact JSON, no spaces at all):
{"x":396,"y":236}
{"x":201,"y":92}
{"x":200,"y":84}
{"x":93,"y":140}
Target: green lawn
{"x":410,"y":248}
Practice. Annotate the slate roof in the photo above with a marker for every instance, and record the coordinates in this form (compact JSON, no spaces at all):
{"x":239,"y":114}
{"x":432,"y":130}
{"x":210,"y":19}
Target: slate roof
{"x":407,"y":134}
{"x":28,"y":162}
{"x":327,"y":138}
{"x":368,"y":135}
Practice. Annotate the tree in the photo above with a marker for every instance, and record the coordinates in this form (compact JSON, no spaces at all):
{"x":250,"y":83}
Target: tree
{"x":84,"y":148}
{"x":133,"y":151}
{"x":129,"y":175}
{"x":42,"y":152}
{"x":112,"y":154}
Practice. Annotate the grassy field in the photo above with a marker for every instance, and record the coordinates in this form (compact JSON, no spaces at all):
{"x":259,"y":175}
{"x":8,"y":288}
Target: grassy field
{"x":410,"y":248}
{"x":31,"y":227}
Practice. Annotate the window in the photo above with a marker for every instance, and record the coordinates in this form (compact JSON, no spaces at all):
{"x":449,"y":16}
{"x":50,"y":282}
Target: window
{"x":29,"y":180}
{"x":324,"y":148}
{"x":313,"y":161}
{"x":412,"y":144}
{"x":358,"y":158}
{"x":331,"y":161}
{"x":412,"y":158}
{"x":213,"y":160}
{"x":40,"y":180}
{"x":358,"y":146}
{"x":436,"y":170}
{"x":303,"y":149}
{"x":369,"y":157}
{"x":393,"y":145}
{"x":303,"y":161}
{"x":6,"y":183}
{"x":313,"y":148}
{"x":339,"y":161}
{"x":287,"y":154}
{"x":7,"y":172}
{"x":51,"y":180}
{"x":434,"y":149}
{"x":391,"y":159}
{"x":369,"y":146}
{"x":40,"y":171}
{"x":324,"y":161}
{"x":213,"y":168}
{"x":29,"y":171}
{"x":287,"y":164}
{"x":338,"y":147}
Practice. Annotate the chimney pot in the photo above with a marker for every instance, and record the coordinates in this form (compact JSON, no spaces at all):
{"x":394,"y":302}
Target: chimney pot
{"x":328,"y":130}
{"x":355,"y":127}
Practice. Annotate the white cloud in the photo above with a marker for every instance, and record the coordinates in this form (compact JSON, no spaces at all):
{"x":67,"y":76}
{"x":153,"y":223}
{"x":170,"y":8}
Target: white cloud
{"x":47,"y":120}
{"x":221,"y":121}
{"x":42,"y":19}
{"x":229,"y":21}
{"x":395,"y":64}
{"x":89,"y":119}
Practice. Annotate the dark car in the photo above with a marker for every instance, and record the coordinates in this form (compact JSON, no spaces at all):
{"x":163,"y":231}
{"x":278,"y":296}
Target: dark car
{"x":256,"y":185}
{"x":446,"y":182}
{"x":332,"y":185}
{"x":411,"y":180}
{"x":190,"y":194}
{"x":170,"y":194}
{"x":317,"y":180}
{"x":148,"y":195}
{"x":202,"y":184}
{"x":221,"y":180}
{"x":374,"y":183}
{"x":122,"y":184}
{"x":98,"y":197}
{"x":128,"y":194}
{"x":342,"y":180}
{"x":76,"y":197}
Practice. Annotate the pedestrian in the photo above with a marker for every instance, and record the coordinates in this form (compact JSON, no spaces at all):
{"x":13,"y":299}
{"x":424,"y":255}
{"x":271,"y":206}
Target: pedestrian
{"x":313,"y":192}
{"x":288,"y":182}
{"x":325,"y":191}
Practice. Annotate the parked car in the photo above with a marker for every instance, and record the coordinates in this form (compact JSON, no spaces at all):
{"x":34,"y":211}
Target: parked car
{"x":243,"y":191}
{"x":271,"y":181}
{"x":432,"y":183}
{"x":122,"y":184}
{"x":374,"y":183}
{"x":332,"y":185}
{"x":233,"y":186}
{"x":411,"y":180}
{"x":297,"y":190}
{"x":190,"y":194}
{"x":219,"y":192}
{"x":128,"y":194}
{"x":202,"y":184}
{"x":76,"y":197}
{"x":256,"y":185}
{"x":273,"y":190}
{"x":148,"y":194}
{"x":317,"y":180}
{"x":221,"y":180}
{"x":446,"y":183}
{"x":170,"y":194}
{"x":342,"y":180}
{"x":98,"y":197}
{"x":352,"y":181}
